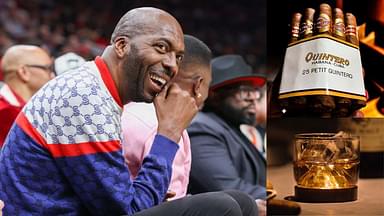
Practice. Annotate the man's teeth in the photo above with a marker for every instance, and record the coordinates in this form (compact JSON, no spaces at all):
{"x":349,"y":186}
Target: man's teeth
{"x":158,"y":79}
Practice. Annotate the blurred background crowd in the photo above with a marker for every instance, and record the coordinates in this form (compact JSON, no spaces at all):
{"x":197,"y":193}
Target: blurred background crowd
{"x":84,"y":26}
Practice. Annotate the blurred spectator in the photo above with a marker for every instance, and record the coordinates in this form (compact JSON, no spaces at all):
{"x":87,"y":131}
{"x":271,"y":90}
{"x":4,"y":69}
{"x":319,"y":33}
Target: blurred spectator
{"x":84,"y":26}
{"x":5,"y":43}
{"x":222,"y":157}
{"x":67,"y":62}
{"x":26,"y":69}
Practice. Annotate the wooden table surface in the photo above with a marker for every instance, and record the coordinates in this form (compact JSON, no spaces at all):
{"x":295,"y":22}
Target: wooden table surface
{"x":370,"y":195}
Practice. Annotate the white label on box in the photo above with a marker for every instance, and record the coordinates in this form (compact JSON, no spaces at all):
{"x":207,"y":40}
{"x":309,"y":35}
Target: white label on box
{"x":322,"y":66}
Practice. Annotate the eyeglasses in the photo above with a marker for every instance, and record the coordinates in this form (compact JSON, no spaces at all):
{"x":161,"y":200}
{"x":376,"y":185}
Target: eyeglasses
{"x":244,"y":92}
{"x":47,"y":68}
{"x":248,"y":92}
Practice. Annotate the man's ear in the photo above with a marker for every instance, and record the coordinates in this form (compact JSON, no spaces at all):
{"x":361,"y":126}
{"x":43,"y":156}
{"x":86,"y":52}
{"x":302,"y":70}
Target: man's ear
{"x":121,"y":46}
{"x":24,"y":74}
{"x":197,"y":85}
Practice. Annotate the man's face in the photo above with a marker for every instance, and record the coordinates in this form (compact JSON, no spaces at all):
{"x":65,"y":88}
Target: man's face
{"x":152,"y":61}
{"x":188,"y":77}
{"x":41,"y":71}
{"x":238,"y":104}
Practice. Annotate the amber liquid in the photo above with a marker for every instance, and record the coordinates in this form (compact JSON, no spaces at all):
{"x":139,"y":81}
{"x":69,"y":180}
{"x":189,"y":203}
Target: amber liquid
{"x":326,"y":175}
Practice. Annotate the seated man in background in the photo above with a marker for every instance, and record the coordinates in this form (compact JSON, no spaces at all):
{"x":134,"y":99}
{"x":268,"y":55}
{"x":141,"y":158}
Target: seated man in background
{"x":26,"y":69}
{"x":139,"y":122}
{"x":222,"y":157}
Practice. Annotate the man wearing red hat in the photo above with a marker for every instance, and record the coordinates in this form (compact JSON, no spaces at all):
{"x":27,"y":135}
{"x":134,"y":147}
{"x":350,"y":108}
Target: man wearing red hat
{"x":222,"y":157}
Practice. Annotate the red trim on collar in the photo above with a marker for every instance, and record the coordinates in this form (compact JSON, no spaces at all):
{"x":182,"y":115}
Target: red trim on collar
{"x":108,"y":81}
{"x":18,"y":98}
{"x":11,"y":97}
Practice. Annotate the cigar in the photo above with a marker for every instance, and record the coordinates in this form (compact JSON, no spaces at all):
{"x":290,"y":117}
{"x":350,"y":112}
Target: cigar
{"x":282,"y":207}
{"x":323,"y":105}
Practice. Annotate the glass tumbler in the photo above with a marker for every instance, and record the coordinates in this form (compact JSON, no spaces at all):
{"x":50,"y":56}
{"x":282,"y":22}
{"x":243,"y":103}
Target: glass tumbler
{"x":326,"y":167}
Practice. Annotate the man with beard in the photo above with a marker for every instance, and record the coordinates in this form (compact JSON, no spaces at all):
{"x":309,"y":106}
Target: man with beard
{"x":63,"y":156}
{"x":222,"y":157}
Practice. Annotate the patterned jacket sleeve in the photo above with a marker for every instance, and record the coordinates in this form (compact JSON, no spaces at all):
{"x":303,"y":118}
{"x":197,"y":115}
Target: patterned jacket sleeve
{"x":96,"y":169}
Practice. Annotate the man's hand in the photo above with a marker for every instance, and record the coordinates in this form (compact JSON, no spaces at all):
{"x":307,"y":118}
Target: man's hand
{"x":175,"y":108}
{"x":170,"y":194}
{"x":262,"y":207}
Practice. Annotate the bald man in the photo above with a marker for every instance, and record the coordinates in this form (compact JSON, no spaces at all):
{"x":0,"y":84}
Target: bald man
{"x":26,"y":69}
{"x":63,"y":156}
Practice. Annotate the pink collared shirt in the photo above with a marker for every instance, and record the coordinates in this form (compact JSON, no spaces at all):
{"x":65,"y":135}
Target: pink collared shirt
{"x":139,"y":125}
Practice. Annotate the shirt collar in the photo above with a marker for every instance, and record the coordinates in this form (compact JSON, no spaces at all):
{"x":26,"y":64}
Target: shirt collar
{"x":108,"y":81}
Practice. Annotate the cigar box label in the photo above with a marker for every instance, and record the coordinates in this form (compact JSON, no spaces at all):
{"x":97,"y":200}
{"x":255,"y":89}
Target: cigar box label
{"x":295,"y":31}
{"x":322,"y":65}
{"x":307,"y":27}
{"x":351,"y":30}
{"x":339,"y":27}
{"x":370,"y":131}
{"x":323,"y":23}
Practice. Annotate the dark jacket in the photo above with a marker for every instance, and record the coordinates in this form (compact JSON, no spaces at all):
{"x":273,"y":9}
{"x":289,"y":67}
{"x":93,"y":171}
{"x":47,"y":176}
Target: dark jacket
{"x":223,"y":158}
